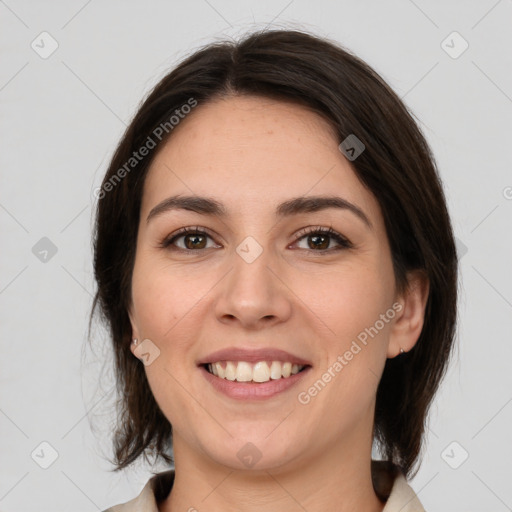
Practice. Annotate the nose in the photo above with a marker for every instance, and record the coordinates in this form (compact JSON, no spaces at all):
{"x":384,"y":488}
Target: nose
{"x":254,"y":294}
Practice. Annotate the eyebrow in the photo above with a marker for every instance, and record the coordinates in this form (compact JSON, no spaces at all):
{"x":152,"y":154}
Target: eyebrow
{"x":295,"y":206}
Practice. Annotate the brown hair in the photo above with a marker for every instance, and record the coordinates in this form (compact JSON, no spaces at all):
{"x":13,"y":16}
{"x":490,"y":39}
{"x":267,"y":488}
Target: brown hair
{"x":397,"y":166}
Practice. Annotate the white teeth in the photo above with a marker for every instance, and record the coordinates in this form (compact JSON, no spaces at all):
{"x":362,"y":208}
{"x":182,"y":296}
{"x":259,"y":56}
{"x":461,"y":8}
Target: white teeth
{"x":287,"y":369}
{"x":275,"y":370}
{"x":243,"y":372}
{"x":220,"y":371}
{"x":262,"y":371}
{"x":230,"y":371}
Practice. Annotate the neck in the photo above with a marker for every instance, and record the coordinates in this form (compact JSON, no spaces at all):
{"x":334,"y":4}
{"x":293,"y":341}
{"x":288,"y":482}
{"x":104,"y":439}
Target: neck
{"x":338,"y":480}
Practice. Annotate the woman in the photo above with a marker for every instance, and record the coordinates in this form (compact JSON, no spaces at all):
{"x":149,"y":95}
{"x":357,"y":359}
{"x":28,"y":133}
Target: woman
{"x":277,"y":267}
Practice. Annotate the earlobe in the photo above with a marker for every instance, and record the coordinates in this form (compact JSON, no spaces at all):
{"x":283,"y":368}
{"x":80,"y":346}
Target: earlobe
{"x":135,"y":333}
{"x":409,"y":322}
{"x":134,"y":343}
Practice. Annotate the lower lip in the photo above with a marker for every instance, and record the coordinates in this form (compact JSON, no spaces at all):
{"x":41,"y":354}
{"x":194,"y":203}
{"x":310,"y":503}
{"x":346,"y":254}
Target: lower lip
{"x":253,"y":390}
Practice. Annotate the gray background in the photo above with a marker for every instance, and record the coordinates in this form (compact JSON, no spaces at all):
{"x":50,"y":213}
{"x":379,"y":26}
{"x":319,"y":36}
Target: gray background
{"x":61,"y":117}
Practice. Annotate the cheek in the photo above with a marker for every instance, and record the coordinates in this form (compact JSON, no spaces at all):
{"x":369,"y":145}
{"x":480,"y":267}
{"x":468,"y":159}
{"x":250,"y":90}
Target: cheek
{"x":164,"y":297}
{"x":347,"y":301}
{"x":347,"y":311}
{"x":163,"y":306}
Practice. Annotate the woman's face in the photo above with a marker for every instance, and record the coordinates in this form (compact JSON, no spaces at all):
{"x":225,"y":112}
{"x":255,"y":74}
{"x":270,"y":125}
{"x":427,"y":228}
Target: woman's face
{"x":263,"y":279}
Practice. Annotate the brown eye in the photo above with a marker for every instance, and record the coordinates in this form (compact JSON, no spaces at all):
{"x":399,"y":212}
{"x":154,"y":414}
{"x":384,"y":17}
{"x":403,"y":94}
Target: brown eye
{"x":194,"y":239}
{"x":319,"y":239}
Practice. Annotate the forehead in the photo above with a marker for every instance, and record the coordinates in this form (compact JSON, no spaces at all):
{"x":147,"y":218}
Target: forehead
{"x":252,"y":153}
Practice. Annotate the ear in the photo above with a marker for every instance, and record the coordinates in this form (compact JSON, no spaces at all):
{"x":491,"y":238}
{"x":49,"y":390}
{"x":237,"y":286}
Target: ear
{"x":135,"y":330}
{"x":409,"y":320}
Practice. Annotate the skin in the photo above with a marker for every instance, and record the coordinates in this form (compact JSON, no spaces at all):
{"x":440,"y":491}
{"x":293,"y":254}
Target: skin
{"x":250,"y":154}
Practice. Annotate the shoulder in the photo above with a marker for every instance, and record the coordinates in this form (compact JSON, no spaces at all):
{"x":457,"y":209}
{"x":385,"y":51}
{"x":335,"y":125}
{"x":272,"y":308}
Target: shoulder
{"x":156,"y":489}
{"x":403,"y":498}
{"x":392,"y":488}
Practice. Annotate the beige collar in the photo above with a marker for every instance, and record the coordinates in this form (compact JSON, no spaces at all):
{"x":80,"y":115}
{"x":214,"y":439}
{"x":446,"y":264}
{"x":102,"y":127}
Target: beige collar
{"x":400,"y":498}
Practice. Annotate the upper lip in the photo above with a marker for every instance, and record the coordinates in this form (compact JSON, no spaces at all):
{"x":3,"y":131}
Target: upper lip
{"x":252,"y":356}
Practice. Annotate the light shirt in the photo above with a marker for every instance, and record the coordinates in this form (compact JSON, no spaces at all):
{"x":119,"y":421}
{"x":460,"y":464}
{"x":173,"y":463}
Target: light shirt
{"x":400,"y":498}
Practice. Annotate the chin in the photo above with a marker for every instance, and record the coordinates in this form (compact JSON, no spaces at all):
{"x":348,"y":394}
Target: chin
{"x":254,"y":453}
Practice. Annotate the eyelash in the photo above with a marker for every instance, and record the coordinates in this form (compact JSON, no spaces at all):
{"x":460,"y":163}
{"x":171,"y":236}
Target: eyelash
{"x":343,"y":242}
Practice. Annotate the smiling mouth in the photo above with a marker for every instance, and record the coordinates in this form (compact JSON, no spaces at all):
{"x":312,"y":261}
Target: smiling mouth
{"x":259,"y":372}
